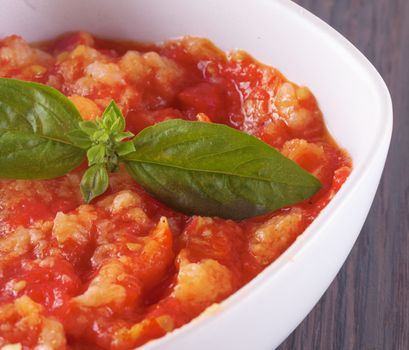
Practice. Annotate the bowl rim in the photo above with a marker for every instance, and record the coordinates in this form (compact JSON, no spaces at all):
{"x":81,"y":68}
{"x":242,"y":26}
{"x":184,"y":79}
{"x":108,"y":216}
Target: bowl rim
{"x":300,"y":246}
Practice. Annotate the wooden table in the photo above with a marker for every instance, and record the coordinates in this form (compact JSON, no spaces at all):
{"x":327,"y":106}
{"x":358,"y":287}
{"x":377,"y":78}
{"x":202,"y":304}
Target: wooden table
{"x":367,"y":306}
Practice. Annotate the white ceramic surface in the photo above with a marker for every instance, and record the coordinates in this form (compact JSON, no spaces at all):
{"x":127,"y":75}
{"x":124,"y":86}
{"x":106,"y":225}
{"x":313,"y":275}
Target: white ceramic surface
{"x":357,"y":109}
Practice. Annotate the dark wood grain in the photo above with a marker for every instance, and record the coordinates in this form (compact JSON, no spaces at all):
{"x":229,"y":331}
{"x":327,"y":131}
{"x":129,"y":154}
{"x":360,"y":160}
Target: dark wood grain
{"x":367,"y":306}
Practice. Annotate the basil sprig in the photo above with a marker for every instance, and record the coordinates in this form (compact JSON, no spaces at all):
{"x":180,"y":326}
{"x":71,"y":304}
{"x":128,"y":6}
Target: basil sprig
{"x":104,"y":142}
{"x":195,"y":167}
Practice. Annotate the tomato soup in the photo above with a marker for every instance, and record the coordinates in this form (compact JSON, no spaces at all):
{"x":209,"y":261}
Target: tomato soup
{"x":126,"y":269}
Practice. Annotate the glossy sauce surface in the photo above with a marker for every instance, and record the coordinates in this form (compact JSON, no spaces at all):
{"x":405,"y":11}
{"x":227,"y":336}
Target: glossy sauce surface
{"x":126,"y":269}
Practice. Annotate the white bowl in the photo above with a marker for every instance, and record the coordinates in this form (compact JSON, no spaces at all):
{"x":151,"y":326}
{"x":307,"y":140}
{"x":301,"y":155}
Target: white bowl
{"x":357,"y":109}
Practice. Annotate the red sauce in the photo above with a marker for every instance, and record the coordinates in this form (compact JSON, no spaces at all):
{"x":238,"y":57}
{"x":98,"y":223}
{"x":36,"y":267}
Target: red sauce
{"x":126,"y":269}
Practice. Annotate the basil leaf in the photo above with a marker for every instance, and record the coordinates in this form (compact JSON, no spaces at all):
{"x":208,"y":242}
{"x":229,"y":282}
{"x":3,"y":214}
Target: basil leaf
{"x":96,"y":154}
{"x":100,"y":136}
{"x":112,"y":118}
{"x":122,"y":136}
{"x":213,"y":170}
{"x":34,"y":122}
{"x":79,"y":138}
{"x":88,"y":127}
{"x":94,"y":182}
{"x":125,"y":148}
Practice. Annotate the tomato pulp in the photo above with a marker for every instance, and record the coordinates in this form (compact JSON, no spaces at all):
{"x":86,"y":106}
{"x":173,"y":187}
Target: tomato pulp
{"x":126,"y":269}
